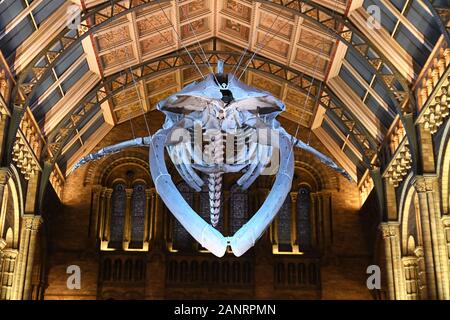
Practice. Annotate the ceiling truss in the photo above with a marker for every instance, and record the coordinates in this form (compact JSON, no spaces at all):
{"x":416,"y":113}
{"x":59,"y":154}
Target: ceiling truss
{"x":91,"y":20}
{"x":116,"y":83}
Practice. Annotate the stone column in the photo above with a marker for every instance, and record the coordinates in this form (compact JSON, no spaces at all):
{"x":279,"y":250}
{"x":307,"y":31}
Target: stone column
{"x":327,"y":222}
{"x":4,"y":176}
{"x":411,"y":277}
{"x":95,"y":217}
{"x":394,"y":267}
{"x":421,"y":273}
{"x":434,"y":244}
{"x":159,"y":223}
{"x":319,"y":222}
{"x":7,"y":273}
{"x":2,"y":246}
{"x":314,"y":213}
{"x":147,"y":219}
{"x":128,"y":223}
{"x":446,"y":223}
{"x":294,"y":236}
{"x":37,"y":221}
{"x":22,"y":275}
{"x":152,"y":214}
{"x":3,"y":132}
{"x":107,"y":216}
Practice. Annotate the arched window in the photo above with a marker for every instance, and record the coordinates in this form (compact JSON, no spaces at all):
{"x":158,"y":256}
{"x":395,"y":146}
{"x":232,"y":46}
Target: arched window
{"x":123,"y":205}
{"x":138,"y":215}
{"x":238,"y":209}
{"x":182,"y":240}
{"x":284,"y":226}
{"x":303,"y":218}
{"x":117,"y":216}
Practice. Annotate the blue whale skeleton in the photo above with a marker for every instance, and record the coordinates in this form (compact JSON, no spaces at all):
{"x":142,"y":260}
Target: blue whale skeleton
{"x":224,"y":112}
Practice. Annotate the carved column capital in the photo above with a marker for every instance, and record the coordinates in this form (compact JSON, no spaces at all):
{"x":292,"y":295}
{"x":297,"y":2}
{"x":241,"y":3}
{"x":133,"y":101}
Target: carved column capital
{"x":27,"y":221}
{"x":128,"y":192}
{"x":390,"y":229}
{"x":10,"y":253}
{"x":294,"y":196}
{"x":409,"y":261}
{"x":446,"y":221}
{"x":108,"y":193}
{"x":424,"y":184}
{"x":32,"y":222}
{"x":97,"y":189}
{"x":37,"y":221}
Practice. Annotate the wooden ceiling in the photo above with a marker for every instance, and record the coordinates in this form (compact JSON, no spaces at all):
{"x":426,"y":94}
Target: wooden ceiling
{"x":160,"y":29}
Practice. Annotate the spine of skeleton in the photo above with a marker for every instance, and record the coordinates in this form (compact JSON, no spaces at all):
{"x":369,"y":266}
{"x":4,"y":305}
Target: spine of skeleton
{"x":215,"y":180}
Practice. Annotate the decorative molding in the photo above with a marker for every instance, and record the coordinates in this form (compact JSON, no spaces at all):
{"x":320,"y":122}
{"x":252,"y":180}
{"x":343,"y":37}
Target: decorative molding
{"x":365,"y":187}
{"x":424,"y":183}
{"x":57,"y":181}
{"x":390,"y":229}
{"x":400,"y":164}
{"x":28,"y":146}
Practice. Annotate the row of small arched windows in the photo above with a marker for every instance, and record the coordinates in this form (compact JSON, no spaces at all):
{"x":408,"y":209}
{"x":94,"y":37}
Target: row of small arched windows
{"x":235,"y":273}
{"x":128,"y":270}
{"x":296,"y":274}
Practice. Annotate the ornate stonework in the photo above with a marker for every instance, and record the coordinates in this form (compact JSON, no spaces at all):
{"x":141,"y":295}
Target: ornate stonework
{"x":424,"y":184}
{"x":235,"y":8}
{"x":390,"y":229}
{"x":113,"y":38}
{"x":162,"y":82}
{"x":266,"y":84}
{"x":157,"y":42}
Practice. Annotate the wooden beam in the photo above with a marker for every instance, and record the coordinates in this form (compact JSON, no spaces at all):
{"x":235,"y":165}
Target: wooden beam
{"x":337,"y":153}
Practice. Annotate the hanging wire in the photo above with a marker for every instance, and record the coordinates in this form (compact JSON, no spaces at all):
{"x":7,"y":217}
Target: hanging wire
{"x":179,"y":39}
{"x":262,"y":47}
{"x":241,"y":57}
{"x":201,"y":49}
{"x":312,"y":82}
{"x":130,"y":119}
{"x":226,"y":198}
{"x":140,"y":100}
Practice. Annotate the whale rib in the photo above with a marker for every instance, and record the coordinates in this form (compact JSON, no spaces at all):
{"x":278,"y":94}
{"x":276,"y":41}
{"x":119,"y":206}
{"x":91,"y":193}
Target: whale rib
{"x":200,"y":230}
{"x":246,"y":237}
{"x":138,"y":142}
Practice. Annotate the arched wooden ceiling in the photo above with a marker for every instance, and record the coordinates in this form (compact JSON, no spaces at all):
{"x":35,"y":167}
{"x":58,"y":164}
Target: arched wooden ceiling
{"x":339,"y":76}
